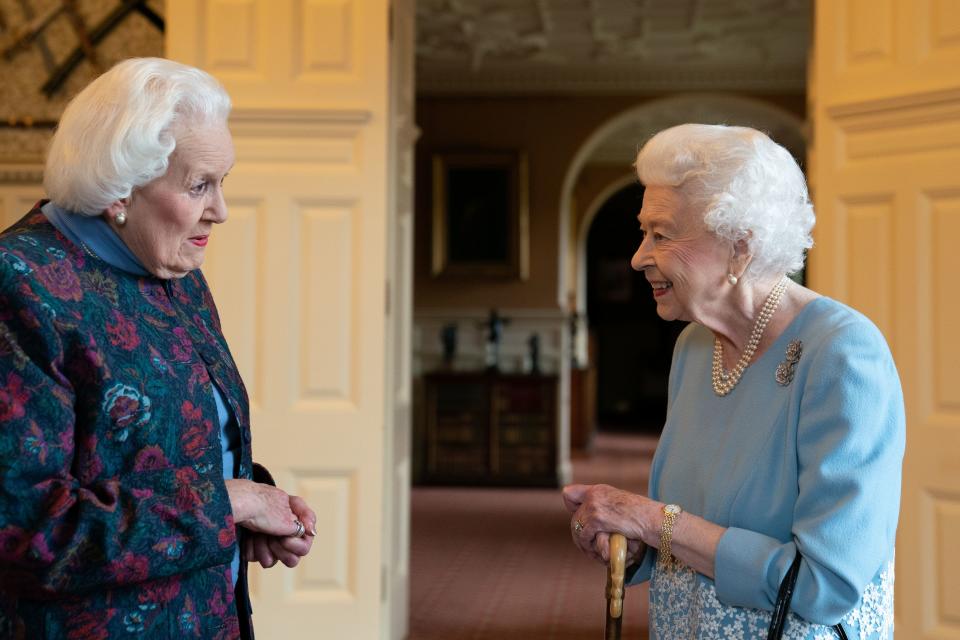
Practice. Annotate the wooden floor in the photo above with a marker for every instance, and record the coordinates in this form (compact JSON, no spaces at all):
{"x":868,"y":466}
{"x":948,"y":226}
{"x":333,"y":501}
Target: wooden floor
{"x":495,"y":564}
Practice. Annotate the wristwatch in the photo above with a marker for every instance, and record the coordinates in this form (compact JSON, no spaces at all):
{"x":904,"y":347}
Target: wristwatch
{"x":670,"y":513}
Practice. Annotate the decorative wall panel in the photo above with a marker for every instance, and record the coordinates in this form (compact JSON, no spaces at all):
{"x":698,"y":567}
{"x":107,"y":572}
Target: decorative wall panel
{"x":325,"y":36}
{"x":329,"y":266}
{"x":869,"y":29}
{"x":238,"y":287}
{"x":945,"y":231}
{"x":327,"y":46}
{"x":941,"y":523}
{"x":232,"y":40}
{"x":948,"y":532}
{"x":330,"y":571}
{"x":940,"y":29}
{"x":869,"y":259}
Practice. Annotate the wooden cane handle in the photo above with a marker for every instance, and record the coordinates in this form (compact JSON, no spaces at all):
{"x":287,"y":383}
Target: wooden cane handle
{"x":618,"y":566}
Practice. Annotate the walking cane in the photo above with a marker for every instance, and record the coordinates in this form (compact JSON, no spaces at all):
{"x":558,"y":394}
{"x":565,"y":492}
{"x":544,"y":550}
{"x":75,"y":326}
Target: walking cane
{"x":618,"y":562}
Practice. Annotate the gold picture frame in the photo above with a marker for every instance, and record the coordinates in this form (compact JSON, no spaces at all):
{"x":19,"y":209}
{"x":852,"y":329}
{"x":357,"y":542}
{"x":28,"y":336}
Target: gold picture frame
{"x":480,"y":214}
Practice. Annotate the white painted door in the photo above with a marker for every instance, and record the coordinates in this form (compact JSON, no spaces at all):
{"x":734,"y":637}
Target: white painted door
{"x":299,"y":273}
{"x":397,"y":438}
{"x":886,"y":108}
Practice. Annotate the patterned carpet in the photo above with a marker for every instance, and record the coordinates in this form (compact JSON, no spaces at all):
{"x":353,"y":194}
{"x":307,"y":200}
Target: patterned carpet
{"x":499,"y":564}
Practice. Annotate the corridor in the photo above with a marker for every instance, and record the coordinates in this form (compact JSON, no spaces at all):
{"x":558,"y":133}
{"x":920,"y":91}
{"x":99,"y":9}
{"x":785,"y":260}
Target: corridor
{"x":498,"y":564}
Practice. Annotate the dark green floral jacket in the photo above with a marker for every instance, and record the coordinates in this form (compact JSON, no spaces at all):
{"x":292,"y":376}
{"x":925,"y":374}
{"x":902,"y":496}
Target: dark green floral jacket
{"x":114,"y":515}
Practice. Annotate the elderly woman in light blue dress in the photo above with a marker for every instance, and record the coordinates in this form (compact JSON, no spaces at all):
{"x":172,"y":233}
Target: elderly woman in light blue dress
{"x":785,"y":424}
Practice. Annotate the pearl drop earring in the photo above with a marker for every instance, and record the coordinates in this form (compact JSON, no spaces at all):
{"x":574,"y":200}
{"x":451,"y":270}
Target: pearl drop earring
{"x":732,"y":279}
{"x":121,"y":218}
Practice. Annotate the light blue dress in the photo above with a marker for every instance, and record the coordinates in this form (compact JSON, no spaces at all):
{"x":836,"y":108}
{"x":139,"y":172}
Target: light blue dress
{"x":813,"y":465}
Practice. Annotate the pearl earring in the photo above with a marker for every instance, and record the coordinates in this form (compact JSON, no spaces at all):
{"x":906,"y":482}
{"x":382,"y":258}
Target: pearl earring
{"x":121,"y":218}
{"x":732,"y":279}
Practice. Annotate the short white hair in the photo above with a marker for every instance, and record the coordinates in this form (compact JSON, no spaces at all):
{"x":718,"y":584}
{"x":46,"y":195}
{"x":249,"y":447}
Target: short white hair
{"x":118,"y":133}
{"x":747,"y":186}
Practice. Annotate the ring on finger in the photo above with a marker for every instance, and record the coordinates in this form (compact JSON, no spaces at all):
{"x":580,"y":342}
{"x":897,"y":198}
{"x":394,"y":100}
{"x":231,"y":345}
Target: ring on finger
{"x":577,"y":526}
{"x":300,"y":529}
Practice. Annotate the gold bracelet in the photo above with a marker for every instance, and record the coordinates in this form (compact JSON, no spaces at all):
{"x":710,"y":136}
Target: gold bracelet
{"x":670,"y":513}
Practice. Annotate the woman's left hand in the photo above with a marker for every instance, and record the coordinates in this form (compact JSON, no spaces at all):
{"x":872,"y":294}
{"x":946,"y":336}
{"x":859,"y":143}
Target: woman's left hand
{"x":268,"y":550}
{"x":601,"y":510}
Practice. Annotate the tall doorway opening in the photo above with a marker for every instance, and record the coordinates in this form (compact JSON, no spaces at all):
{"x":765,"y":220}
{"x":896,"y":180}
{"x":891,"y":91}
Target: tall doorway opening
{"x":631,"y":345}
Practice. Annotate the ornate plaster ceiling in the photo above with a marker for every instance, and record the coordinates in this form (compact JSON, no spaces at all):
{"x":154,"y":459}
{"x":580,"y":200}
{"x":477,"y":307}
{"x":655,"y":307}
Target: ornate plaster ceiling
{"x":611,"y":46}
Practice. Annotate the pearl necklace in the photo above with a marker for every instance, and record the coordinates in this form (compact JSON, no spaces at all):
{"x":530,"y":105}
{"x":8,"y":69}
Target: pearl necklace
{"x":724,"y":381}
{"x":88,"y":251}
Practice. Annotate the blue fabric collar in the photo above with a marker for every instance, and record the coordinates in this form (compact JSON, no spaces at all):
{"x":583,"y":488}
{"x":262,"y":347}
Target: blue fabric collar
{"x":94,"y":233}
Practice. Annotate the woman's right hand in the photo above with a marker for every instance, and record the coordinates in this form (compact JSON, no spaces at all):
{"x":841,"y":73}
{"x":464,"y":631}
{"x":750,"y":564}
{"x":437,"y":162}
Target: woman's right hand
{"x":599,"y":510}
{"x":267,"y":549}
{"x":261,"y":507}
{"x":635,"y":548}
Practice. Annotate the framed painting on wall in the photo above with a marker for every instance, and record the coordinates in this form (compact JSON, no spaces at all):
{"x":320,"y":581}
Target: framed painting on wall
{"x":480,"y":214}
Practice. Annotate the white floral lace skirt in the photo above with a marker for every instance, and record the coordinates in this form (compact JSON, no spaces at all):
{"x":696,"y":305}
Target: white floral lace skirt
{"x":684,"y":606}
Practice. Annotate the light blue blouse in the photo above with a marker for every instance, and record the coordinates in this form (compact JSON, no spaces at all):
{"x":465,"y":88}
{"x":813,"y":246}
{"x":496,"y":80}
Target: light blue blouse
{"x":814,"y":465}
{"x":94,"y":233}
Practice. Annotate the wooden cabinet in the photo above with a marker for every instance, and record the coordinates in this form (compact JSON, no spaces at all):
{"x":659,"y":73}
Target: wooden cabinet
{"x":489,"y":429}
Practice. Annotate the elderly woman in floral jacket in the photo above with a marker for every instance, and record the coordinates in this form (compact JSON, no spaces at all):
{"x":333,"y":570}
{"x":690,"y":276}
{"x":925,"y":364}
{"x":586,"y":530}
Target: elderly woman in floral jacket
{"x":127,"y":488}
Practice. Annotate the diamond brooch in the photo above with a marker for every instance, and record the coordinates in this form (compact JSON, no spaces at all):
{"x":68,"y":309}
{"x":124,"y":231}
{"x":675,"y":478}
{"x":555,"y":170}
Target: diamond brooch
{"x":787,"y":368}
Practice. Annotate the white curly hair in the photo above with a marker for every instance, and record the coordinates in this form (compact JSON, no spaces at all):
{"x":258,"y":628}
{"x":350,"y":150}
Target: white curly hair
{"x":118,"y":133}
{"x":747,"y":186}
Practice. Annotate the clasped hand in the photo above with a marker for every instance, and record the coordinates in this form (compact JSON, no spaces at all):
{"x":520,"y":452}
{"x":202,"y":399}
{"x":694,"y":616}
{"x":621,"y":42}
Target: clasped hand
{"x":602,"y":510}
{"x":270,"y":514}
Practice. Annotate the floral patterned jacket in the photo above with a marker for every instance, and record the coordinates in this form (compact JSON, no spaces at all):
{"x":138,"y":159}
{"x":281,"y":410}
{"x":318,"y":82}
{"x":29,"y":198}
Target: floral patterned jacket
{"x":114,"y":515}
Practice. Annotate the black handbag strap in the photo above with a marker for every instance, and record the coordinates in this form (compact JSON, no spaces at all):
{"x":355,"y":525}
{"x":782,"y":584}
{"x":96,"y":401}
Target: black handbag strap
{"x":782,"y":606}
